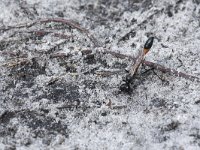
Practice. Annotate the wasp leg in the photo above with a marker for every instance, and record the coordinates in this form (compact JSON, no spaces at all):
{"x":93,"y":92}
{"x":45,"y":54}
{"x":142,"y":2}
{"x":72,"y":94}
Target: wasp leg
{"x":164,"y":81}
{"x":147,"y":70}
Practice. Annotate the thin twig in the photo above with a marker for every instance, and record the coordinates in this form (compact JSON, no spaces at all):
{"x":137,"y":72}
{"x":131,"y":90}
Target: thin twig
{"x":58,"y":20}
{"x":171,"y":71}
{"x":19,"y":26}
{"x":73,"y":25}
{"x":104,"y":73}
{"x":156,"y":66}
{"x":97,"y":44}
{"x":54,"y":47}
{"x":43,"y":32}
{"x":17,"y":62}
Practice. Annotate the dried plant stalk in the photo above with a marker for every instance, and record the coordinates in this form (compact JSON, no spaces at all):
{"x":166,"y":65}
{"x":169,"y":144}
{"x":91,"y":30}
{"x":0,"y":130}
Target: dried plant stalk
{"x":70,"y":23}
{"x":156,"y":66}
{"x":75,"y":25}
{"x":171,"y":71}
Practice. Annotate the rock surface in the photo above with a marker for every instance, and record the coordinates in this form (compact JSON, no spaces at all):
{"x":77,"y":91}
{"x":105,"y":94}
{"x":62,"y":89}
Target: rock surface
{"x":60,"y":90}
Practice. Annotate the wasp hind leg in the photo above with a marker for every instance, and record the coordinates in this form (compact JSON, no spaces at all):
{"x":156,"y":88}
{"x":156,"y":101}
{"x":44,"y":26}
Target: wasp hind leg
{"x":164,"y":81}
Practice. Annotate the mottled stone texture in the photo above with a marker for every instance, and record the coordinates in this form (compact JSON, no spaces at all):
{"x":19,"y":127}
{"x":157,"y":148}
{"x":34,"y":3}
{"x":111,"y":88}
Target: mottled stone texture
{"x":59,"y":90}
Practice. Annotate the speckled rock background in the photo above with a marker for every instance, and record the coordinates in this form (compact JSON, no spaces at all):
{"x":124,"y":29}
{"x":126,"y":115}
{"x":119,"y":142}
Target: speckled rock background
{"x":59,"y":91}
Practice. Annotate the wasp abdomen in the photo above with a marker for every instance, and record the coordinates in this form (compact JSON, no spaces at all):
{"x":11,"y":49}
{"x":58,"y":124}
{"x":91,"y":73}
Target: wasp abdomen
{"x":149,"y":43}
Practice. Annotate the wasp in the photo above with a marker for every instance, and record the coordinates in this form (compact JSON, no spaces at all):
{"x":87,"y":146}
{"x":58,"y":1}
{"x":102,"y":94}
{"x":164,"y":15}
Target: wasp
{"x":125,"y":87}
